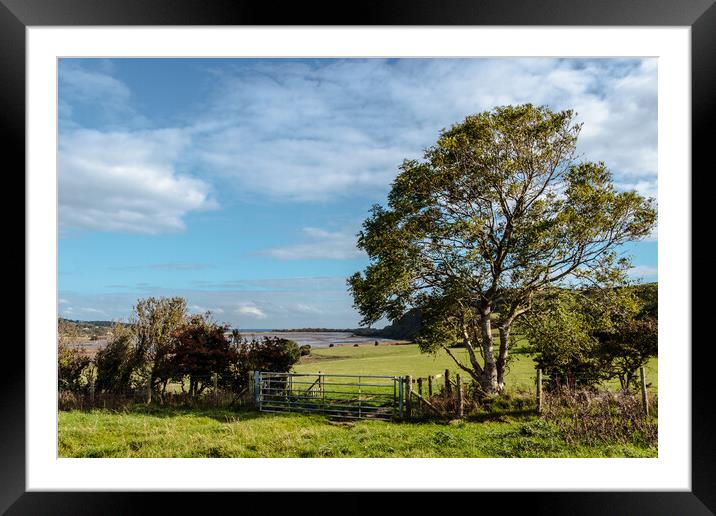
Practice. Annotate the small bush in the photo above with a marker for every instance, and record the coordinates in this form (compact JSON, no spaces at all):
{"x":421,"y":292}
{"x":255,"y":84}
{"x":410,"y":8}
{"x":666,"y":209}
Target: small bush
{"x":600,"y":417}
{"x":305,"y":350}
{"x":355,"y":345}
{"x":72,"y":363}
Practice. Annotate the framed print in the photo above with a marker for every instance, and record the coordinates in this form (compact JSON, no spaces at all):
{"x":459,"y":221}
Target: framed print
{"x":251,"y":231}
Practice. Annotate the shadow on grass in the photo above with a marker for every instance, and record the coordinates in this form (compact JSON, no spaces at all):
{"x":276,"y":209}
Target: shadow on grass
{"x":227,"y":414}
{"x":502,"y":416}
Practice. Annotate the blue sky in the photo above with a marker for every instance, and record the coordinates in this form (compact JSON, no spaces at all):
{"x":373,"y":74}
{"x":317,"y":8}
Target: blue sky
{"x":240,"y":183}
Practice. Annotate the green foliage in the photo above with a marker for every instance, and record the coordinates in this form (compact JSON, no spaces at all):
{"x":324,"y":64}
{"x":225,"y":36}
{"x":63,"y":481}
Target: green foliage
{"x":154,"y":321}
{"x":272,"y":354}
{"x":117,"y":361}
{"x":72,"y":363}
{"x":583,"y":337}
{"x":200,"y":349}
{"x":305,"y":350}
{"x":495,"y":214}
{"x":648,"y":294}
{"x":627,"y":347}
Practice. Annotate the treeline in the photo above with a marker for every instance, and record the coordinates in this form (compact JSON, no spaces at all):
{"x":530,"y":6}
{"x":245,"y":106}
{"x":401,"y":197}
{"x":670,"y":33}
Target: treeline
{"x":161,"y":345}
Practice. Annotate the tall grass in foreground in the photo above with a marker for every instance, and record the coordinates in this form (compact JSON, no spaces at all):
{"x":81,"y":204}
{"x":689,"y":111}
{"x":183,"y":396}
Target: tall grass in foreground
{"x":172,"y":432}
{"x":602,"y":417}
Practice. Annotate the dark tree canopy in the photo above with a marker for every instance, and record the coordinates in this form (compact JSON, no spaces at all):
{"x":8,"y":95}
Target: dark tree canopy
{"x":497,"y":212}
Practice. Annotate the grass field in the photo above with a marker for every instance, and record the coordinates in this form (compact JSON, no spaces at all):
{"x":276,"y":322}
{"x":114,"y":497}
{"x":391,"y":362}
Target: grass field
{"x":225,"y":433}
{"x":162,"y":432}
{"x":406,"y":359}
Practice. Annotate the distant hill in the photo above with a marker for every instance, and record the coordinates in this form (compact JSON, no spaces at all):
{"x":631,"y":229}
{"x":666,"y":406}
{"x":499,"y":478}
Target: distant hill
{"x":85,"y":329}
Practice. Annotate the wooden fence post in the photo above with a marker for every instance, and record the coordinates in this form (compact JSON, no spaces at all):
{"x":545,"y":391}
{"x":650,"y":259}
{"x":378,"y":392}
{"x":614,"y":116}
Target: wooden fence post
{"x":430,"y":386}
{"x":252,"y":387}
{"x":91,"y":392}
{"x":448,"y":387}
{"x":644,"y":397}
{"x":408,"y":396}
{"x":539,"y":391}
{"x":420,"y":393}
{"x":459,"y":395}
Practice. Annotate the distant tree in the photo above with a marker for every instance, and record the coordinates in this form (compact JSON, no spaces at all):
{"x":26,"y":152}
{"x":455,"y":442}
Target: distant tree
{"x":498,"y":213}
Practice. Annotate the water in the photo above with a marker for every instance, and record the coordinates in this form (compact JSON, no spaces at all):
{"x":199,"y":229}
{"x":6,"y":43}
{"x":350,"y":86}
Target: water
{"x":318,"y":339}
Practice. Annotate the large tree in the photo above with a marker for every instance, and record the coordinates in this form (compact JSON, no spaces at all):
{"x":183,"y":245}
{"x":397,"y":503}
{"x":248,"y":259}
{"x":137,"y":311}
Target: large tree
{"x":154,"y":321}
{"x":497,"y":212}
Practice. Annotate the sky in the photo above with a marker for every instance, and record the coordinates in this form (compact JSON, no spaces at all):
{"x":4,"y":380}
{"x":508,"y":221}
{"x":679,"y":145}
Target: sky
{"x":240,"y":184}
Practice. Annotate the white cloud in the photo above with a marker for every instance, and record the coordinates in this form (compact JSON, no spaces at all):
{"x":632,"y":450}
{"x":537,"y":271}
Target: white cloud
{"x":196,"y":309}
{"x":251,"y":311}
{"x":642,"y":271}
{"x":63,"y":301}
{"x":283,"y":302}
{"x":322,"y":245}
{"x":80,"y":84}
{"x":326,"y":129}
{"x":302,"y":132}
{"x":90,"y":310}
{"x":307,"y":309}
{"x":127,"y":181}
{"x":94,"y":89}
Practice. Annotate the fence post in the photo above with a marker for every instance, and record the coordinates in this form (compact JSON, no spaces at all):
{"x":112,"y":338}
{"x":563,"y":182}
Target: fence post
{"x":215,"y":379}
{"x":91,"y":392}
{"x":252,"y":387}
{"x":420,"y":392}
{"x":430,"y":386}
{"x":539,"y":391}
{"x":644,"y":397}
{"x":401,"y":380}
{"x":458,"y":381}
{"x":448,"y":387}
{"x":408,"y":396}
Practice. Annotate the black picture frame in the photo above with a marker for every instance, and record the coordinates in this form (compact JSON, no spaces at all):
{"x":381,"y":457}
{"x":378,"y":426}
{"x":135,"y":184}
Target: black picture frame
{"x":700,"y":15}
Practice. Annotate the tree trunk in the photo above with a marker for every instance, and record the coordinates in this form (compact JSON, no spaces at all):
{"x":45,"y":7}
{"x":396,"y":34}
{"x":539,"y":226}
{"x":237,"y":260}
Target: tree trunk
{"x":502,"y":357}
{"x":488,"y":381}
{"x":150,"y":388}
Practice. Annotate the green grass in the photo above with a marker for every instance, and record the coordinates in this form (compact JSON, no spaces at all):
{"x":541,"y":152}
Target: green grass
{"x":406,"y":359}
{"x":396,"y":360}
{"x":164,"y":432}
{"x":225,"y":433}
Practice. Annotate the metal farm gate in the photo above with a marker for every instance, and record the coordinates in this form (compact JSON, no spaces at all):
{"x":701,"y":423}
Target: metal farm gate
{"x":336,"y":395}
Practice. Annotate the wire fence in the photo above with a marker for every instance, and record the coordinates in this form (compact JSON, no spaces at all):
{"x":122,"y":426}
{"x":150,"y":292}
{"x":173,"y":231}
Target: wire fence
{"x":335,"y":395}
{"x":448,"y":394}
{"x":191,"y":391}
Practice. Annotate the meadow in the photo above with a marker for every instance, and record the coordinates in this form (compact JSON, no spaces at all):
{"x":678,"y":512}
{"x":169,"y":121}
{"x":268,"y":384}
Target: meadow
{"x":152,"y":431}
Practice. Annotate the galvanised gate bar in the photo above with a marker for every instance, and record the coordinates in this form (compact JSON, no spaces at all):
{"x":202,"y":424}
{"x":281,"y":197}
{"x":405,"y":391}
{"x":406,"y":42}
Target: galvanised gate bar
{"x":336,"y":395}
